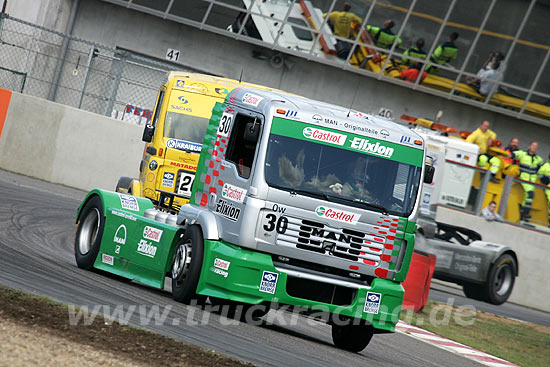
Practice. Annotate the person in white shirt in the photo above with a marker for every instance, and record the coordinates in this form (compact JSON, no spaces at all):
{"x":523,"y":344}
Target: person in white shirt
{"x":485,"y":79}
{"x":489,"y":212}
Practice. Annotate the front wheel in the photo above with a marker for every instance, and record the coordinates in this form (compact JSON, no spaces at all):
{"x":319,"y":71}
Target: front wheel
{"x":501,"y":279}
{"x":89,"y":232}
{"x":124,"y":185}
{"x":186,"y":265}
{"x":353,"y":338}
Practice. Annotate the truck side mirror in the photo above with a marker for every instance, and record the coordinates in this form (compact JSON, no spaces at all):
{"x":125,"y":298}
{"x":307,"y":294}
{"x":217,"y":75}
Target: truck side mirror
{"x":429,"y":172}
{"x":252,"y":132}
{"x":148,"y":133}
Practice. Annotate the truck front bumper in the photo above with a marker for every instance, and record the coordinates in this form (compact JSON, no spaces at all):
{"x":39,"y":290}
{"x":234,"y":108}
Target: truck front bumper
{"x":238,"y":274}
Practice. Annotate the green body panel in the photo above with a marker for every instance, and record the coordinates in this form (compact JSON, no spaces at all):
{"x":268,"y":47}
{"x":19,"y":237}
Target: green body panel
{"x":241,"y":282}
{"x":140,"y":248}
{"x":406,"y":262}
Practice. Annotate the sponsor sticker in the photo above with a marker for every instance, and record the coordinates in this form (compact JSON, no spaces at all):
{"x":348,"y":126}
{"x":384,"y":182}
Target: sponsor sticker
{"x":183,"y":145}
{"x":123,"y":215}
{"x":222,"y":264}
{"x":168,"y":179}
{"x":146,"y":248}
{"x":233,"y":193}
{"x":291,"y":114}
{"x":372,"y":303}
{"x":317,"y":117}
{"x":405,"y":139}
{"x":180,"y":83}
{"x":227,"y":210}
{"x":107,"y":259}
{"x":120,"y":235}
{"x":152,"y":233}
{"x":252,"y":99}
{"x":324,"y":136}
{"x":220,"y":272}
{"x":372,"y":148}
{"x":385,"y":133}
{"x":337,"y":214}
{"x":269,"y":282}
{"x":128,"y":202}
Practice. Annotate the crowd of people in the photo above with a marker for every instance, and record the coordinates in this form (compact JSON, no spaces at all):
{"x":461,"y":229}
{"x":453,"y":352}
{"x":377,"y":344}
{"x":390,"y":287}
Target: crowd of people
{"x":532,"y":167}
{"x":383,"y":37}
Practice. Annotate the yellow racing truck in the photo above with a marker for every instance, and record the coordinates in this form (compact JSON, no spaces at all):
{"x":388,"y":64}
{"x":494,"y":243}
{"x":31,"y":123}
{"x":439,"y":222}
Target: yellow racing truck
{"x":174,"y":136}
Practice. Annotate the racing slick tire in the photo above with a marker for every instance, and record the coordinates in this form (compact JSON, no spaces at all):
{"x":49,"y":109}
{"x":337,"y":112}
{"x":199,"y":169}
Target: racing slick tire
{"x":474,"y":291}
{"x":89,"y":232}
{"x":499,"y":285}
{"x":500,"y":281}
{"x":124,"y":185}
{"x":353,"y":338}
{"x":186,"y":266}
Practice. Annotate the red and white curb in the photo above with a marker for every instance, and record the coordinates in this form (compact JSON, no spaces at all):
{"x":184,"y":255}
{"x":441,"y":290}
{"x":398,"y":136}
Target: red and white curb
{"x":451,"y":346}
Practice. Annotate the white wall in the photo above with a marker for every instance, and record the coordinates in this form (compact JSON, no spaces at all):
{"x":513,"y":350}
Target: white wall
{"x":532,"y":248}
{"x":65,"y":145}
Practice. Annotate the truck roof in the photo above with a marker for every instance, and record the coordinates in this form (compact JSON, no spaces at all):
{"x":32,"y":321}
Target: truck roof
{"x":326,"y":115}
{"x":201,"y":83}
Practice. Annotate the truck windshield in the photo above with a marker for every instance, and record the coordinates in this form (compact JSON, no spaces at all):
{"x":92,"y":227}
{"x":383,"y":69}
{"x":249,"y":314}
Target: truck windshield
{"x":353,"y":177}
{"x":185,"y":127}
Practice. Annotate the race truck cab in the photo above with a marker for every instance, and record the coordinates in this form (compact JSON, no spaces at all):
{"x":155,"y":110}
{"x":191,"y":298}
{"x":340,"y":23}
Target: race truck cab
{"x":295,"y":202}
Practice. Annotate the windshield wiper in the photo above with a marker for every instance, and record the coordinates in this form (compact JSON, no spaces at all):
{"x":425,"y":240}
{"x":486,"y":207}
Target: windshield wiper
{"x":373,"y":206}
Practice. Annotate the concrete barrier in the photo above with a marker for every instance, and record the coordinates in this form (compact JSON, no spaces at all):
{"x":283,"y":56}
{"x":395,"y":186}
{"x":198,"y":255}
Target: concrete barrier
{"x":65,"y":145}
{"x":83,"y":150}
{"x":532,"y":248}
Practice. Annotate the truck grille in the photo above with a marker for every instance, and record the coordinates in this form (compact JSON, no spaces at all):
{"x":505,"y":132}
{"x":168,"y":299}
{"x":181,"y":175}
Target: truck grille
{"x":343,"y":243}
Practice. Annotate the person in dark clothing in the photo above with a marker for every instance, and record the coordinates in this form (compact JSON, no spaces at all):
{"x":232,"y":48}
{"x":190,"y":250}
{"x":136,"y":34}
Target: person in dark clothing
{"x":416,"y":51}
{"x":443,"y":54}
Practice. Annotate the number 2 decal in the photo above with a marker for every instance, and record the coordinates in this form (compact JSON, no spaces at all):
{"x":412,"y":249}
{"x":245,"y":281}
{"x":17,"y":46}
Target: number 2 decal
{"x":225,"y":124}
{"x":185,"y":184}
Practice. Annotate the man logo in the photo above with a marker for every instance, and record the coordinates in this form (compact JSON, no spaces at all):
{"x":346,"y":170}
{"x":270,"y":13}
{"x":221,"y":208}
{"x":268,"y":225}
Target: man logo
{"x":384,"y":133}
{"x":120,"y":235}
{"x":317,"y":117}
{"x":183,"y":100}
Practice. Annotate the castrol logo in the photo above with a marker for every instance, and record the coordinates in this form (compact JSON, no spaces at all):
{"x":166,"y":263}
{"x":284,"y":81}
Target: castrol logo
{"x":324,"y":136}
{"x":152,"y":234}
{"x":338,"y":215}
{"x":233,"y":193}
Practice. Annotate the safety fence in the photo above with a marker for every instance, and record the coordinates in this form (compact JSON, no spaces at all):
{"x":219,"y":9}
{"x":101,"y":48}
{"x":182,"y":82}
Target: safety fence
{"x":470,"y":189}
{"x":299,"y":28}
{"x":52,"y":65}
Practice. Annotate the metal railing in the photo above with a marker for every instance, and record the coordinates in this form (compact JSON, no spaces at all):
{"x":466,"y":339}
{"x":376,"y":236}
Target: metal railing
{"x":93,"y":77}
{"x":522,"y":93}
{"x":475,"y":191}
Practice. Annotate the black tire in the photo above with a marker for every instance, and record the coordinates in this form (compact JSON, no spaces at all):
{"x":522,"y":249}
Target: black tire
{"x":124,"y":185}
{"x":185,"y":272}
{"x":500,"y":281}
{"x":353,"y":338}
{"x":475,"y":291}
{"x":89,"y":232}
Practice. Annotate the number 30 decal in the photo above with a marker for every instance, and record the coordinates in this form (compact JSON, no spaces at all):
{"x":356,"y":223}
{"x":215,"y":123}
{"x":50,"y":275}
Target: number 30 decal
{"x":280,"y":224}
{"x":225,"y":124}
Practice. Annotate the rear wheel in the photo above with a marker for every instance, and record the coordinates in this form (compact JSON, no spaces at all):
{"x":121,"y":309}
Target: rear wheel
{"x":124,"y":185}
{"x":89,"y":233}
{"x":501,"y":279}
{"x":474,"y":291}
{"x":353,"y":338}
{"x":186,"y":266}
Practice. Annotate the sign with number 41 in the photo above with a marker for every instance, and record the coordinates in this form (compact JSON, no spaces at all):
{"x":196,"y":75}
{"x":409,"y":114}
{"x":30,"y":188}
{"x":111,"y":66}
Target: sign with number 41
{"x":172,"y":55}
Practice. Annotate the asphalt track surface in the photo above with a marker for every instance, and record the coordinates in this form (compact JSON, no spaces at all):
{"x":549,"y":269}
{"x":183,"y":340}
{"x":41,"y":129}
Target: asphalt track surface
{"x":37,"y":226}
